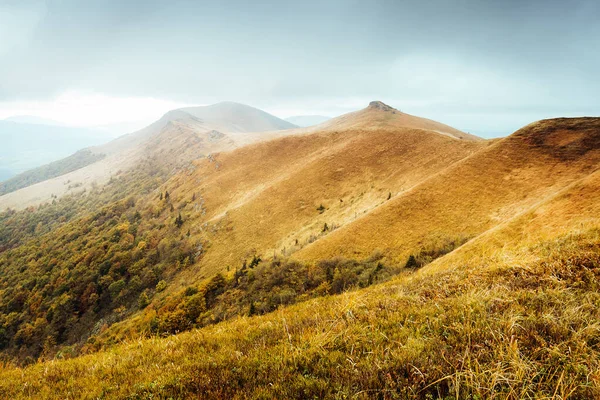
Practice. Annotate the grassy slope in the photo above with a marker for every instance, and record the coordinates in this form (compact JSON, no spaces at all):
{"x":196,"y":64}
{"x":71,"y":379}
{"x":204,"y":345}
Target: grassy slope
{"x":493,"y":320}
{"x":264,"y":198}
{"x":476,"y":194}
{"x":511,"y":314}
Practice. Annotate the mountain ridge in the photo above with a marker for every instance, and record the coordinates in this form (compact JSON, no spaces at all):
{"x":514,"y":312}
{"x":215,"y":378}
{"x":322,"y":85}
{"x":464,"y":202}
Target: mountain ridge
{"x":124,"y":152}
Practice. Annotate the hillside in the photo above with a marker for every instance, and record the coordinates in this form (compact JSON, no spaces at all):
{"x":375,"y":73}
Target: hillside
{"x":267,"y":198}
{"x":27,"y":144}
{"x":260,"y":200}
{"x":369,"y":248}
{"x":495,"y":184}
{"x":510,"y":314}
{"x":74,"y":162}
{"x":184,"y":134}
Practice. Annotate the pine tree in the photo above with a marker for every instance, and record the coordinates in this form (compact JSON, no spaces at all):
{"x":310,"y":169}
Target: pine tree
{"x":179,"y":221}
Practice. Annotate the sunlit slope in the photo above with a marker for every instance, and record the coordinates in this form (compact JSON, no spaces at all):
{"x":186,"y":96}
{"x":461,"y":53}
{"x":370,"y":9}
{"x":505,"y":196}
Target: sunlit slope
{"x":276,"y":197}
{"x":569,"y":212}
{"x":476,"y":194}
{"x":503,"y":321}
{"x":391,"y":118}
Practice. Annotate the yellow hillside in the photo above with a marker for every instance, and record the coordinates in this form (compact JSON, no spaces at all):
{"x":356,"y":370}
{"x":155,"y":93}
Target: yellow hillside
{"x":512,"y":314}
{"x":276,"y":197}
{"x":475,"y":194}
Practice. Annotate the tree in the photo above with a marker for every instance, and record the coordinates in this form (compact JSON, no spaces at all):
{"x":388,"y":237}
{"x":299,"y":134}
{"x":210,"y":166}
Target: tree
{"x":143,"y":300}
{"x":179,"y":221}
{"x":255,"y":261}
{"x":412,"y":262}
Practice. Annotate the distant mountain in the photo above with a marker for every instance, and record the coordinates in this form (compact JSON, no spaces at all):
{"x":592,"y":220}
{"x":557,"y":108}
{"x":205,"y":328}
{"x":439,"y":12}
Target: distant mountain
{"x":307,"y":120}
{"x":177,"y":138}
{"x":236,"y":117}
{"x":28,"y":145}
{"x":32,"y":119}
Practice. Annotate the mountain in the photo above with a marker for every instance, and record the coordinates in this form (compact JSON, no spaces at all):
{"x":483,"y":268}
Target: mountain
{"x":269,"y":193}
{"x":368,"y":119}
{"x":30,"y":145}
{"x":33,"y":120}
{"x":307,"y":120}
{"x":504,"y":179}
{"x":377,"y":253}
{"x":175,"y":139}
{"x":234,"y":117}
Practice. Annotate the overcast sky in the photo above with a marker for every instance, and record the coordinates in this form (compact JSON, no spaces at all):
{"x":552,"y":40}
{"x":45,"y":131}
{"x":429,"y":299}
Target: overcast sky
{"x":487,"y":67}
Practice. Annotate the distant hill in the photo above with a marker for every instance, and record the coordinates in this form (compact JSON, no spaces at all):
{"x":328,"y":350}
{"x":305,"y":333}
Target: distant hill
{"x":28,"y":145}
{"x":307,"y":120}
{"x":390,"y":118}
{"x":74,"y":162}
{"x":235,"y":117}
{"x":34,"y":120}
{"x":177,"y":138}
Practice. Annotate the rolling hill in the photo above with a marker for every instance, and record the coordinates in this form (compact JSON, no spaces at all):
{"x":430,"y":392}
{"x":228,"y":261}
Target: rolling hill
{"x":504,"y":179}
{"x":28,"y":144}
{"x":509,"y":314}
{"x":266,"y":197}
{"x":175,"y":139}
{"x":391,"y":255}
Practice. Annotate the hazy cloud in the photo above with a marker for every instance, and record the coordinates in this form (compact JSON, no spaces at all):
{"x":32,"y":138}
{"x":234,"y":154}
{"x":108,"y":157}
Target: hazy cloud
{"x":467,"y":62}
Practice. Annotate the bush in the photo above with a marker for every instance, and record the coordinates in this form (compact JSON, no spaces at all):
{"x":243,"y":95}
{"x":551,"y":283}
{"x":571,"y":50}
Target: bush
{"x":160,"y":286}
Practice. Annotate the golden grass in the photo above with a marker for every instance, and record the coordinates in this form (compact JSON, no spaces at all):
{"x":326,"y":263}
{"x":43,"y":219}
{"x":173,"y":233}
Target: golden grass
{"x":265,"y":197}
{"x":498,"y":329}
{"x":511,"y":314}
{"x":475,"y":194}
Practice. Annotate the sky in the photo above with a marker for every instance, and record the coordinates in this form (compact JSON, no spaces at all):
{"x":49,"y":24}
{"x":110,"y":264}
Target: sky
{"x":486,"y":67}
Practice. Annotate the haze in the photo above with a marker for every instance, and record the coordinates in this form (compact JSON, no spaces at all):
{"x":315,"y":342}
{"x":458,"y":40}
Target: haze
{"x":485,"y":67}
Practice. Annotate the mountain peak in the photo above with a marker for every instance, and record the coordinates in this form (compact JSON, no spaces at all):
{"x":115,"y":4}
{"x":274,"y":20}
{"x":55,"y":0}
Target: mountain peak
{"x":379,"y":105}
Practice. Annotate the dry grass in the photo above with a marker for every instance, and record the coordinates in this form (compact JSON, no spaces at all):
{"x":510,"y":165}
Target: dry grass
{"x":511,"y":314}
{"x":478,"y":193}
{"x":266,"y":197}
{"x":499,"y":329}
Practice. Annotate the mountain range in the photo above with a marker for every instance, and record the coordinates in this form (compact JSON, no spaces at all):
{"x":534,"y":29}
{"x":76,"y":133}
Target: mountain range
{"x":224,"y":252}
{"x":28,"y":145}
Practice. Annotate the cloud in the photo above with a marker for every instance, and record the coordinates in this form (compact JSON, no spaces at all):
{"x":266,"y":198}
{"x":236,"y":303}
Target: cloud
{"x":467,"y":57}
